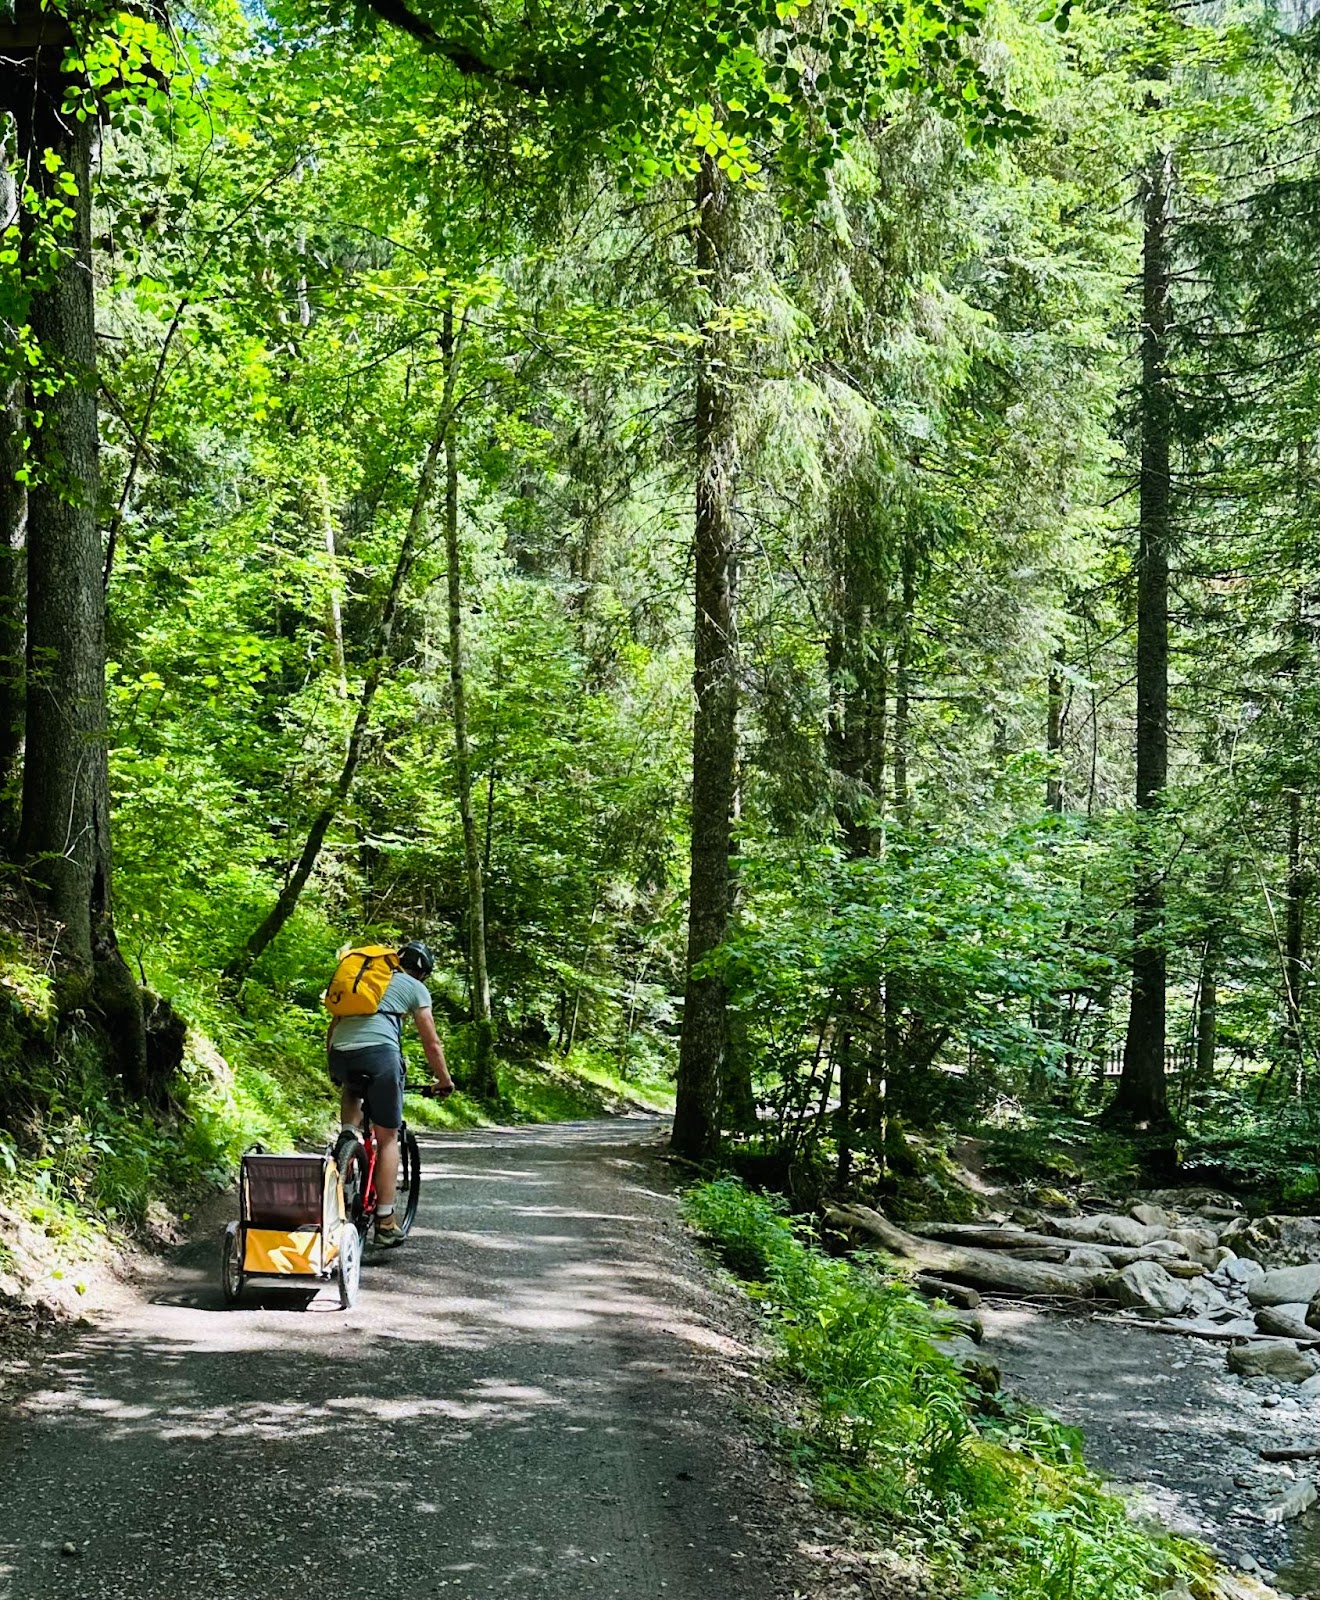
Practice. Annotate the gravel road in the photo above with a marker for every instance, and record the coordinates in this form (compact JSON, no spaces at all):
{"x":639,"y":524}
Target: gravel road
{"x":531,"y":1399}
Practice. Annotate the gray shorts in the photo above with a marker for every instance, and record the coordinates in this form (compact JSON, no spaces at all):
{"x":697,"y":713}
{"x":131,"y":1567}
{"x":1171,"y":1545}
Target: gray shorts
{"x":381,"y":1066}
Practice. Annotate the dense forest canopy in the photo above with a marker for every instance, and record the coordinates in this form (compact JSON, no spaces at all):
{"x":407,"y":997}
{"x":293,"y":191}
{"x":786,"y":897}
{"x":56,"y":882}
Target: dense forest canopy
{"x":780,"y":538}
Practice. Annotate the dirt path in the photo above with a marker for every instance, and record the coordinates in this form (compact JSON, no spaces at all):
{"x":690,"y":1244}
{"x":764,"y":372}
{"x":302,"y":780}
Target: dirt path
{"x":530,"y":1400}
{"x":1164,"y":1421}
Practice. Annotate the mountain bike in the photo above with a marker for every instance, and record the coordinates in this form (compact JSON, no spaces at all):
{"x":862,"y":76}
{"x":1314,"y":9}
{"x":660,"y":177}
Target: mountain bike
{"x":356,"y":1155}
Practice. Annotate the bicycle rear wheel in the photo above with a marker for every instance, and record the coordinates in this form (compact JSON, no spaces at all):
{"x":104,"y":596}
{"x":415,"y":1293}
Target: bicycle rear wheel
{"x":408,"y":1192}
{"x":351,"y":1159}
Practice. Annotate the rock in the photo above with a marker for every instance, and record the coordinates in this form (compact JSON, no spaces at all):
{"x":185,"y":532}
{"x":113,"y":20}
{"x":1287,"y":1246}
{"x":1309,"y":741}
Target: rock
{"x":68,"y":1548}
{"x":1163,"y":1250}
{"x":1183,"y":1269}
{"x":1270,"y":1358}
{"x":1146,"y":1283}
{"x":1297,"y":1500}
{"x":1107,"y":1229}
{"x":1241,"y":1270}
{"x":1056,"y":1200}
{"x":1310,"y":1389}
{"x":1086,"y":1255}
{"x":1204,"y":1300}
{"x":1252,"y":1239}
{"x":964,"y":1323}
{"x":1284,"y":1286}
{"x":1297,"y":1240}
{"x":1200,"y":1243}
{"x":1222,"y":1255}
{"x":1284,"y":1322}
{"x":1151,"y":1216}
{"x":970,"y":1362}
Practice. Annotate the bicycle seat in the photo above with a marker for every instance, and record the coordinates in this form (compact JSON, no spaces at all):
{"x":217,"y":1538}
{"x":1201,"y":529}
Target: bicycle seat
{"x":358,"y":1083}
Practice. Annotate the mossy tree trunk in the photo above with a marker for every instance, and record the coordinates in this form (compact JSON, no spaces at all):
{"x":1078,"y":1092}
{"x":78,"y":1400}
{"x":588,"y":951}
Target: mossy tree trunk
{"x":704,"y":1040}
{"x":64,"y":833}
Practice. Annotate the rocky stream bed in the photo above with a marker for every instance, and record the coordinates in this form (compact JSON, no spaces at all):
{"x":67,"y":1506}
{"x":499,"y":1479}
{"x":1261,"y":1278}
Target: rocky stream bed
{"x":1182,"y":1336}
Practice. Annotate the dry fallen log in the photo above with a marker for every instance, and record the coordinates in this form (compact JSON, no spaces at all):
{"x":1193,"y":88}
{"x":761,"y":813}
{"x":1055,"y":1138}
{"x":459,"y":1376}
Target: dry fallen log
{"x":985,"y":1269}
{"x":1200,"y":1330}
{"x":957,"y":1294}
{"x":978,"y":1236}
{"x":1292,"y":1452}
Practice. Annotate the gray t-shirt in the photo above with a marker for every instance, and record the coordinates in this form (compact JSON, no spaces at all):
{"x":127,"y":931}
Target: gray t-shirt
{"x":404,"y":996}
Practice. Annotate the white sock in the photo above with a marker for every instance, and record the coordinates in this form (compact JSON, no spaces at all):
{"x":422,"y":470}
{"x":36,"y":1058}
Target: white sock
{"x":350,"y":1127}
{"x":384,"y":1211}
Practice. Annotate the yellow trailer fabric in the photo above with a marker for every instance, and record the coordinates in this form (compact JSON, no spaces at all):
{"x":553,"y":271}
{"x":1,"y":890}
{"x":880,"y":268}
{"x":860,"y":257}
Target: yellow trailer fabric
{"x":288,"y":1253}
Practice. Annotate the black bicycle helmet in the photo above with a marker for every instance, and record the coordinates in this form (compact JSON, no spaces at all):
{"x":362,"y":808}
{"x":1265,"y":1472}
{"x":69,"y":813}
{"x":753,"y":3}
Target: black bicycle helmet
{"x":415,"y":958}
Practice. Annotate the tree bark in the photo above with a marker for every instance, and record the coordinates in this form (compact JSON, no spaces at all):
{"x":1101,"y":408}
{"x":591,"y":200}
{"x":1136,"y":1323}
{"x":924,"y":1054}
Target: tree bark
{"x":1142,"y":1097}
{"x":1294,"y":952}
{"x":715,"y":692}
{"x":287,"y":903}
{"x":1054,"y":734}
{"x":903,"y":691}
{"x":13,"y":530}
{"x":482,"y":1081}
{"x":64,"y":830}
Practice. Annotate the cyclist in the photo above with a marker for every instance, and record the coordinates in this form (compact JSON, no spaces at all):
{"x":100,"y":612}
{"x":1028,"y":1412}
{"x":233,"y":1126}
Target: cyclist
{"x":371,"y":1047}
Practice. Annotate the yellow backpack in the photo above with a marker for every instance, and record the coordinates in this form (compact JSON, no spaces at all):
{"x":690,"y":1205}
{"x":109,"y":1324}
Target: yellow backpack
{"x":360,"y":981}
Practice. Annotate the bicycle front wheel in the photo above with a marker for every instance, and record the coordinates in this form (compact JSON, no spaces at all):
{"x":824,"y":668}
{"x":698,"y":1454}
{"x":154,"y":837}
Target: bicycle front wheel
{"x":351,"y":1159}
{"x":409,"y":1190}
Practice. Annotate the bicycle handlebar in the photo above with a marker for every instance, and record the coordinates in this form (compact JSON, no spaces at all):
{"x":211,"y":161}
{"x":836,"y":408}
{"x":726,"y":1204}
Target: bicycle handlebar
{"x":429,"y":1090}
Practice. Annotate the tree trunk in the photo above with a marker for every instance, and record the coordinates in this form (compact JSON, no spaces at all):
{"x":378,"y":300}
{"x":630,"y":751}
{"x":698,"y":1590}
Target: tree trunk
{"x":903,"y":691}
{"x":13,"y":527}
{"x":289,"y":897}
{"x":1207,"y":1010}
{"x":482,"y":1081}
{"x":1054,"y":735}
{"x":1142,"y":1097}
{"x":715,"y":693}
{"x":65,"y":815}
{"x":1294,"y":954}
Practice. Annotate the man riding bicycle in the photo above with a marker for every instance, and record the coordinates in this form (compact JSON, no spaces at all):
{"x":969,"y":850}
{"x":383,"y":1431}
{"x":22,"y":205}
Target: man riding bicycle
{"x":371,"y":1047}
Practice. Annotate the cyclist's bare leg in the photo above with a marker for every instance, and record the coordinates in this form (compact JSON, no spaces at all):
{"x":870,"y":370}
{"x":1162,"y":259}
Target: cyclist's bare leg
{"x":387,"y":1165}
{"x":350,"y":1110}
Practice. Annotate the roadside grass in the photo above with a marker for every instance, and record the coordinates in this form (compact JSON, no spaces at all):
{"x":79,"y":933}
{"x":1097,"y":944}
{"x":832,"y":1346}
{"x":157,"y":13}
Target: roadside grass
{"x":992,"y":1495}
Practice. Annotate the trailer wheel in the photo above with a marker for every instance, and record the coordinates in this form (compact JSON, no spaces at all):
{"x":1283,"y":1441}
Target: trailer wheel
{"x":350,"y":1266}
{"x":231,"y":1265}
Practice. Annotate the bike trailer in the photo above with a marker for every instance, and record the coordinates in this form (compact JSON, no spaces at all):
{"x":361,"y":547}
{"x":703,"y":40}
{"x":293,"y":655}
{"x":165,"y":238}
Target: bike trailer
{"x":291,"y":1226}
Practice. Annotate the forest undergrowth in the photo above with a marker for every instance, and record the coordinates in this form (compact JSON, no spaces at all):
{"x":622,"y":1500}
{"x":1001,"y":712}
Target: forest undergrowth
{"x":991,"y":1496}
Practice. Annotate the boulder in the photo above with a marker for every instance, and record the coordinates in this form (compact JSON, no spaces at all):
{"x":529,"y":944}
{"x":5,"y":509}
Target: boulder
{"x":1204,"y":1300}
{"x":1086,"y":1255}
{"x":1107,"y":1229}
{"x":1152,"y":1216}
{"x":1312,"y":1314}
{"x":977,"y":1368}
{"x":1247,"y":1238}
{"x":1163,"y":1250}
{"x":1241,"y":1271}
{"x":1284,"y":1322}
{"x":1200,"y":1243}
{"x":1285,"y":1286}
{"x":1279,"y":1359}
{"x":1147,"y":1284}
